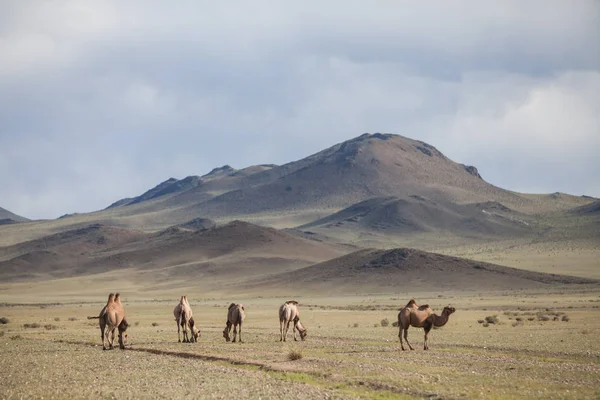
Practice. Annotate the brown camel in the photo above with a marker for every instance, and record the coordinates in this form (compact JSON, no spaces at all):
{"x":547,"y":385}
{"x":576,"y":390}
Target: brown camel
{"x":235,"y":316}
{"x":289,"y":312}
{"x":420,"y":317}
{"x":111,"y":318}
{"x":184,"y":318}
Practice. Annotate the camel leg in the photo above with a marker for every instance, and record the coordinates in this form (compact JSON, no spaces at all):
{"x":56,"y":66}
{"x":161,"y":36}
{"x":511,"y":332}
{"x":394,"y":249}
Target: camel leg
{"x":240,"y":332}
{"x":281,"y":322}
{"x":234,"y":333}
{"x":287,"y":328}
{"x":427,"y":329}
{"x":185,"y":333}
{"x":400,"y":336}
{"x":406,"y":338}
{"x":178,"y":331}
{"x":295,"y":327}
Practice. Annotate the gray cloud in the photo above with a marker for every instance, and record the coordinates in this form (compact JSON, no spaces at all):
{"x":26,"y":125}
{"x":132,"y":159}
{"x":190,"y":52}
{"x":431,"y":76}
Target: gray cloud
{"x":102,"y":100}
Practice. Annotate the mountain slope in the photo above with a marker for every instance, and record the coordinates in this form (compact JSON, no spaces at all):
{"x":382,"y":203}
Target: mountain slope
{"x":408,"y":270}
{"x":7,"y":217}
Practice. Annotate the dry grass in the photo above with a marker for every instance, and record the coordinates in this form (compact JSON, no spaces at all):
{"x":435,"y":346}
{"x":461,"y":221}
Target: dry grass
{"x":534,"y":359}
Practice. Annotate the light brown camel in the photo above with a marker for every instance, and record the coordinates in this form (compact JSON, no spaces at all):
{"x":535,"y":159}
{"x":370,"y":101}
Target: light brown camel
{"x":184,"y":319}
{"x":420,"y":317}
{"x":235,"y":317}
{"x":111,"y":318}
{"x":289,"y":312}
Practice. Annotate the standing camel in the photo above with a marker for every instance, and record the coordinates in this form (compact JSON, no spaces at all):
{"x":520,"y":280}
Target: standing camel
{"x":289,"y":312}
{"x":111,"y":318}
{"x":235,"y":316}
{"x":184,"y":319}
{"x":420,"y":317}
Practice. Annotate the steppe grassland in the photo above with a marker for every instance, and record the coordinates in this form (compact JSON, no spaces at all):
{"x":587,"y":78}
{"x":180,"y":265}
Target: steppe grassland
{"x":348,"y":353}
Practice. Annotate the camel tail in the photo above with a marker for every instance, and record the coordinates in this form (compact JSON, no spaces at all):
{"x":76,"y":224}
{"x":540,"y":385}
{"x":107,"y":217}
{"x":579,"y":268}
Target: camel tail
{"x":98,"y":317}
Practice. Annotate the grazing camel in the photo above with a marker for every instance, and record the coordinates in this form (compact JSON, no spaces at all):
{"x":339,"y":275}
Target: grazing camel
{"x":235,"y":316}
{"x":111,"y":318}
{"x":289,"y":312}
{"x":184,"y":319}
{"x":420,"y":317}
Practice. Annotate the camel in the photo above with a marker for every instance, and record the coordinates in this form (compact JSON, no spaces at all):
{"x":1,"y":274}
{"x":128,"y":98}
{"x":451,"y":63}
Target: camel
{"x":111,"y":318}
{"x":235,"y":316}
{"x":289,"y":312}
{"x":184,"y":319}
{"x":420,"y":317}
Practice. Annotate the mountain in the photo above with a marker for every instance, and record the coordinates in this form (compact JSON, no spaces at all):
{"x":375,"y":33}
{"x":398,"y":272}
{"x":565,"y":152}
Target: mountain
{"x":237,"y":249}
{"x":392,"y":215}
{"x":409,"y":270}
{"x":6,"y":217}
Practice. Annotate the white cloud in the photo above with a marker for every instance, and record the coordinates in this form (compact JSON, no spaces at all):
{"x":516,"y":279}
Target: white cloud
{"x":141,"y":91}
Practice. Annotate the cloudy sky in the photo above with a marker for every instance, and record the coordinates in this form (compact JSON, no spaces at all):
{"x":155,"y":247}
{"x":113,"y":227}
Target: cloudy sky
{"x":101,"y":100}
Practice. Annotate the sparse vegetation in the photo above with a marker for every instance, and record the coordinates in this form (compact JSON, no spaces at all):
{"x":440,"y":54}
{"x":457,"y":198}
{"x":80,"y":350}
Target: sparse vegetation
{"x":50,"y":327}
{"x":385,"y":322}
{"x":16,"y":337}
{"x":33,"y":325}
{"x":4,"y":320}
{"x":565,"y":318}
{"x":491,"y":319}
{"x":395,"y":324}
{"x":294,"y":355}
{"x":57,"y":319}
{"x":155,"y":324}
{"x":72,"y":319}
{"x":355,"y":325}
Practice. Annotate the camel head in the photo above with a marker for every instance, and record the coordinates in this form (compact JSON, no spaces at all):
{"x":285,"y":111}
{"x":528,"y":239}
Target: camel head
{"x":123,"y":333}
{"x":194,"y":329}
{"x":303,"y":333}
{"x":448,"y":310}
{"x":226,"y":335}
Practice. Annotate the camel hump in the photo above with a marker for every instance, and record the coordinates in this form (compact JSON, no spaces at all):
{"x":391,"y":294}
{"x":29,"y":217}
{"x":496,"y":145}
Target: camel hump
{"x":424,"y":307}
{"x":291,"y":302}
{"x":231,"y":306}
{"x":411,"y":303}
{"x":111,"y":298}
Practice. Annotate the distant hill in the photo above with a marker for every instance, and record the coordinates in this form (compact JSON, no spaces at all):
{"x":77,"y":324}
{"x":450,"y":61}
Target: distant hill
{"x":409,"y":270}
{"x":219,"y":252}
{"x":393,"y":215}
{"x":7,"y":217}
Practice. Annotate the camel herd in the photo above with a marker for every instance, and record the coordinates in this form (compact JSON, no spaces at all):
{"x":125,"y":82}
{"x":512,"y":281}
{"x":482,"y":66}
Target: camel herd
{"x":112,"y":317}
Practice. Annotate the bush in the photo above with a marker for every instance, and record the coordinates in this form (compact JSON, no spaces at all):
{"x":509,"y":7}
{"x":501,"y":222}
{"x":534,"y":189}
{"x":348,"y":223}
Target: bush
{"x":565,"y":318}
{"x":50,"y":327}
{"x":155,"y":324}
{"x":395,"y":324}
{"x":485,"y":325}
{"x":16,"y":337}
{"x":72,"y":319}
{"x":491,"y":319}
{"x":57,"y":319}
{"x":136,"y":323}
{"x":385,"y":322}
{"x":480,"y":321}
{"x":355,"y":325}
{"x":34,"y":325}
{"x":3,"y":320}
{"x":294,"y":355}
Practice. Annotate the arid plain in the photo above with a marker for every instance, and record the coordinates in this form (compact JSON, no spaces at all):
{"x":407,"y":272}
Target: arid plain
{"x":352,"y":233}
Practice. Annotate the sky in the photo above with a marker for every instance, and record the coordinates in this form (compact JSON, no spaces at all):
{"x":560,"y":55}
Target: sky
{"x":101,"y":100}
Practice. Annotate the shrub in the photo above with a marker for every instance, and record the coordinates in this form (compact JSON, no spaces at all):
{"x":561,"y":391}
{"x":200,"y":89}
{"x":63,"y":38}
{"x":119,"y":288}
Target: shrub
{"x":518,"y":323}
{"x":530,"y":319}
{"x":294,"y":355}
{"x":16,"y":337}
{"x":480,"y":321}
{"x":50,"y":327}
{"x":57,"y":319}
{"x":385,"y":322}
{"x":136,"y":323}
{"x":3,"y":320}
{"x":375,"y":325}
{"x":355,"y":325}
{"x":155,"y":324}
{"x":34,"y":325}
{"x":519,"y":319}
{"x":565,"y":318}
{"x":72,"y":319}
{"x":485,"y":325}
{"x":491,"y":319}
{"x":395,"y":324}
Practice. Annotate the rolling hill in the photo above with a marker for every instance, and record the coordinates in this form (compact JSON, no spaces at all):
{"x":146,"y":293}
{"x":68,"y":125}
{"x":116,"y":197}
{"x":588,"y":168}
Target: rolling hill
{"x":410,"y":270}
{"x":7,"y":217}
